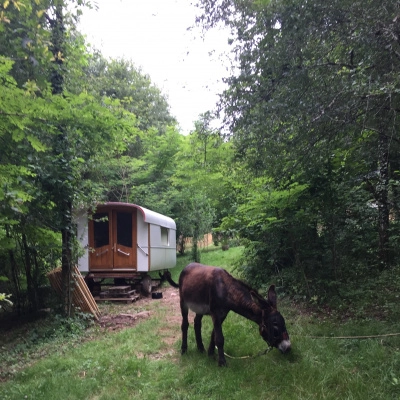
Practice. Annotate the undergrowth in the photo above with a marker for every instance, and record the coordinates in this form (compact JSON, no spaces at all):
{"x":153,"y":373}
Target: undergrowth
{"x":27,"y":342}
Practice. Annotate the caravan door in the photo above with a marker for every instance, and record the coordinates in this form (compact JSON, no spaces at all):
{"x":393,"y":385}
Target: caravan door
{"x":112,"y":239}
{"x":124,"y":239}
{"x":100,"y":243}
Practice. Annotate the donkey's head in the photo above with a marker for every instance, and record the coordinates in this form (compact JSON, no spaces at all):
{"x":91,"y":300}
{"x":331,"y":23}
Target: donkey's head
{"x":272,"y":325}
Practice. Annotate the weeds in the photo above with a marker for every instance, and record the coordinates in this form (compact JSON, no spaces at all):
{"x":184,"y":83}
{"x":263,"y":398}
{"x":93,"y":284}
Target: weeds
{"x":24,"y":345}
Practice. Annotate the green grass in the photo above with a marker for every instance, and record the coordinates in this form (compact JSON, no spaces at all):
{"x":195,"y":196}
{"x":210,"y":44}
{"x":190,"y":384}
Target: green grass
{"x":211,"y":256}
{"x":136,"y":363}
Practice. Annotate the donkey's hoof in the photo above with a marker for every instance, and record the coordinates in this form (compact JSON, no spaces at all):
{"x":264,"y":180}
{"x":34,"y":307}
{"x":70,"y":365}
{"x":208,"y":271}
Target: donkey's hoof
{"x":222,"y":363}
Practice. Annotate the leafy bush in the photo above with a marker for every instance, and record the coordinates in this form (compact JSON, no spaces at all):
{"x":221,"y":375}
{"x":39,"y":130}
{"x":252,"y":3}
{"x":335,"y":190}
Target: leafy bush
{"x":4,"y":301}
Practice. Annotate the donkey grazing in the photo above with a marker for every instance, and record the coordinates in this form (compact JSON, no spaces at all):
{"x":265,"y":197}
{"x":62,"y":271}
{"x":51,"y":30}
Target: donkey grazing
{"x":213,"y":291}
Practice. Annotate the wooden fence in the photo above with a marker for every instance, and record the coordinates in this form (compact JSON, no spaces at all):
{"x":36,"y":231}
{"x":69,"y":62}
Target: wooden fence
{"x":201,"y":244}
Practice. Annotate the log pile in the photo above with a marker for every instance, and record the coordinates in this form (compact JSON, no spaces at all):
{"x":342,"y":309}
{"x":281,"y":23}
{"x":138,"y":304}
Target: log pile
{"x":82,"y":299}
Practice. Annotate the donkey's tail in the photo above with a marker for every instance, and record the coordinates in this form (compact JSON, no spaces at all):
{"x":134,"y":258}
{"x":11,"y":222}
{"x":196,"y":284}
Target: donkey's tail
{"x":167,"y":276}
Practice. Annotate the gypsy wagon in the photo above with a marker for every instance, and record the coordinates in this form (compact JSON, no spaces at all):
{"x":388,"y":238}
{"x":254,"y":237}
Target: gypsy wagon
{"x":125,"y":242}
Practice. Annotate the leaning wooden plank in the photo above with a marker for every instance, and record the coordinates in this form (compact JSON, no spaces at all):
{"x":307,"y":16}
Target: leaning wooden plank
{"x":85,"y":295}
{"x":86,"y":292}
{"x":81,"y":296}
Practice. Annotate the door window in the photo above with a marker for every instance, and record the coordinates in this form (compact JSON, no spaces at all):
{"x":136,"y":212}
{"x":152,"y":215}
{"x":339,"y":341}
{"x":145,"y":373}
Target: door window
{"x":124,"y":229}
{"x":100,"y":230}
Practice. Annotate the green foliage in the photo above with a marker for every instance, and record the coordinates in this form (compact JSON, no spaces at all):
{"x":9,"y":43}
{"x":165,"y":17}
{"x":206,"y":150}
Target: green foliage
{"x":121,"y":79}
{"x":109,"y":136}
{"x":4,"y":298}
{"x":150,"y":179}
{"x":202,"y":182}
{"x":50,"y":145}
{"x":313,"y":105}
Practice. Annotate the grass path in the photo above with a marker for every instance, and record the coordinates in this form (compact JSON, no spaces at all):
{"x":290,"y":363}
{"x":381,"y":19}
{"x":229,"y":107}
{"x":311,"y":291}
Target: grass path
{"x":143,"y":361}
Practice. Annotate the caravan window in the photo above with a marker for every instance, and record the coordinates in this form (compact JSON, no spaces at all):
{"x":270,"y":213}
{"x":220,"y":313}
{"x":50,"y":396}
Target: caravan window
{"x":164,"y":236}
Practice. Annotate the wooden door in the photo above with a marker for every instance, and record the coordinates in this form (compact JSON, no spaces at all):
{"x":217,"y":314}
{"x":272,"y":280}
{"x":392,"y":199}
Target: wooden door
{"x":124,"y":238}
{"x":101,"y":247}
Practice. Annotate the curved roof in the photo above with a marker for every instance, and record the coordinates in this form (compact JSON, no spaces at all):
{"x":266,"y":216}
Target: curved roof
{"x":149,"y":216}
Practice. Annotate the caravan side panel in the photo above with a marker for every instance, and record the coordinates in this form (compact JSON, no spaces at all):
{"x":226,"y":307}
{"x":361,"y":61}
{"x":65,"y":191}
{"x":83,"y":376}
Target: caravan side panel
{"x":170,"y":254}
{"x":143,"y":251}
{"x":162,"y":247}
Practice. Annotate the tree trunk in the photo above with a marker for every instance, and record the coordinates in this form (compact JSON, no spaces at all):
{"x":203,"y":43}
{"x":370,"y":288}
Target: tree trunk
{"x":382,"y":200}
{"x":15,"y":275}
{"x":195,"y":248}
{"x":57,"y":49}
{"x":31,"y":286}
{"x":62,"y":152}
{"x":66,"y":258}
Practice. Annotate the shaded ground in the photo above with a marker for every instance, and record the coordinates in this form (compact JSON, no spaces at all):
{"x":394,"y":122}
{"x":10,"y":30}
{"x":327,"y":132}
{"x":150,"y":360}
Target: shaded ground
{"x":121,"y":316}
{"x":25,"y":340}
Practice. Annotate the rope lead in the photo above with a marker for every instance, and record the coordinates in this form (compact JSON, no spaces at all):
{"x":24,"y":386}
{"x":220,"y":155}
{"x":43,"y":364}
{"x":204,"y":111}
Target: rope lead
{"x":261,"y":353}
{"x":354,"y":337}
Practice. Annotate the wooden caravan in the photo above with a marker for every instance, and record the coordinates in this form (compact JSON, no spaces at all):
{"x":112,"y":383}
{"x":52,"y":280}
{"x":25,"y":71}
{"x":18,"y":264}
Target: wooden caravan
{"x":126,"y":241}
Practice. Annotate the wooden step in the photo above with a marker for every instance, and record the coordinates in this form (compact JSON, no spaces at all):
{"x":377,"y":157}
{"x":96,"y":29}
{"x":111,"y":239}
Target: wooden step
{"x":118,"y":289}
{"x":109,"y":293}
{"x":127,"y":300}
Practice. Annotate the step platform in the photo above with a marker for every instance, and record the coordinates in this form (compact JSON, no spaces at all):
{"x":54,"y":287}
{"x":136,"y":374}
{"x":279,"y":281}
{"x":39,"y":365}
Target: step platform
{"x":118,"y":294}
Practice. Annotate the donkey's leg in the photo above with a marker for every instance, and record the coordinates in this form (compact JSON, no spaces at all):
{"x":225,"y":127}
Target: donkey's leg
{"x":197,"y":331}
{"x":219,"y":339}
{"x":184,"y":326}
{"x":211,"y":347}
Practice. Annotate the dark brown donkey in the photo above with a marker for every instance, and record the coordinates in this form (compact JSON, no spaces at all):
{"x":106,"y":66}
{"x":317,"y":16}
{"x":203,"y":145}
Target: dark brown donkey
{"x":213,"y":291}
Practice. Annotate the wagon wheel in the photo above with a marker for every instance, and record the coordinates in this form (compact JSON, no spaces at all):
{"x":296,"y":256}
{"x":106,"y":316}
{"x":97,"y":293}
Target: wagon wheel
{"x":146,"y":285}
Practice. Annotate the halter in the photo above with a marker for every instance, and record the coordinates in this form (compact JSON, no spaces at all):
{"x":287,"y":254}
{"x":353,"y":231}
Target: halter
{"x":273,"y":319}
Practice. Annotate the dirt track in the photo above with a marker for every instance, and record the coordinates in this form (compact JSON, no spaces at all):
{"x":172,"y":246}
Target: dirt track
{"x":126,"y":318}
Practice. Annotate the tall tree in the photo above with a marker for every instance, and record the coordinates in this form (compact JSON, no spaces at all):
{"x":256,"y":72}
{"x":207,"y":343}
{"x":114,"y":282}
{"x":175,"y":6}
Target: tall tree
{"x":63,"y":187}
{"x":315,"y":102}
{"x":121,"y":79}
{"x":51,"y":141}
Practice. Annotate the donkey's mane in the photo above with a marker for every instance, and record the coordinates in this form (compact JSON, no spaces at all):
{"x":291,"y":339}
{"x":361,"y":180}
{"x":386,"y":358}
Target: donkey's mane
{"x":251,"y":290}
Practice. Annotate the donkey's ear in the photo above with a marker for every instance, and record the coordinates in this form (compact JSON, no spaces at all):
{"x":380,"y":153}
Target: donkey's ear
{"x":272,"y":296}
